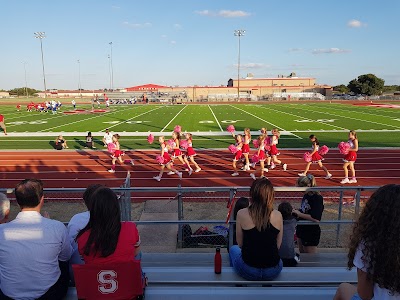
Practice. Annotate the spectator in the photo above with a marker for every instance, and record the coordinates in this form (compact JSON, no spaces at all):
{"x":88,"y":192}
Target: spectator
{"x":105,"y":239}
{"x":89,"y":141}
{"x":4,"y":208}
{"x":259,"y":235}
{"x":2,"y":124}
{"x":33,"y":250}
{"x":60,"y":143}
{"x":312,"y":206}
{"x":79,"y":221}
{"x":107,"y":139}
{"x":374,"y":249}
{"x":286,"y":251}
{"x":242,"y":202}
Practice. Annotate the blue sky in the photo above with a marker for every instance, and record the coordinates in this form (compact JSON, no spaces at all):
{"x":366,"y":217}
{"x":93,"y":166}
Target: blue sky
{"x":189,"y":42}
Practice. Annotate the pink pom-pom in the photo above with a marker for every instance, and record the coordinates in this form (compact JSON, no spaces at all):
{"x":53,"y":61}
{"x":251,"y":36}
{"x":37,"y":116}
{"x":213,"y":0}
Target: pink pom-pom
{"x":267,"y":141}
{"x":160,"y":159}
{"x":171,"y":143}
{"x":230,"y":128}
{"x":344,"y":148}
{"x":255,"y":158}
{"x":267,"y":148}
{"x":178,"y":128}
{"x":111,"y":147}
{"x":323,"y":150}
{"x":150,"y":139}
{"x":307,"y":157}
{"x":233,"y":149}
{"x":256,"y":144}
{"x":184,"y":144}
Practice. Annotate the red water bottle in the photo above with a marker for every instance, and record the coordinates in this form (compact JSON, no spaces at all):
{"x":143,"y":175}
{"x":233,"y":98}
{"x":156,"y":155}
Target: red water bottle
{"x":217,"y":261}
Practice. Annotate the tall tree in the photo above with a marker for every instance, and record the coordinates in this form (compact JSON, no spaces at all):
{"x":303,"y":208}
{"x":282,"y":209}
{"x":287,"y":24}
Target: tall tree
{"x":22,"y":92}
{"x":367,"y":84}
{"x":341,"y":88}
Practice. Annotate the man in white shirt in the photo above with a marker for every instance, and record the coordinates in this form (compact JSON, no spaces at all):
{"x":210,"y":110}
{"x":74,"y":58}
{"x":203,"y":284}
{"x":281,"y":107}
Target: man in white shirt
{"x":107,"y":138}
{"x":34,"y":251}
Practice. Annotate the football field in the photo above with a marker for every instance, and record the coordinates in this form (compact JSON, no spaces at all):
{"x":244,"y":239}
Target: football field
{"x":376,"y":125}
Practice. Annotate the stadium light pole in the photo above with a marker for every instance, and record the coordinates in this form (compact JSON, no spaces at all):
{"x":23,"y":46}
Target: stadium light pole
{"x":26,"y":82}
{"x":111,"y":65}
{"x":79,"y":78}
{"x":41,"y":35}
{"x":109,"y":69}
{"x":239,"y":33}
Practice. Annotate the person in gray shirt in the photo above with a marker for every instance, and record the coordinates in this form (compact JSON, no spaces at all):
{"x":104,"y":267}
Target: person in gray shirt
{"x":287,"y":253}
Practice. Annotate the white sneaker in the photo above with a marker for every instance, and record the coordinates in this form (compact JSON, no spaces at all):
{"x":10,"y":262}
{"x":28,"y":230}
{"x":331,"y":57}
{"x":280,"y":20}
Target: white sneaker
{"x":284,"y":167}
{"x":197,"y":170}
{"x":273,"y":166}
{"x":158,"y":178}
{"x":190,"y":172}
{"x":353,"y":180}
{"x":179,"y":174}
{"x":301,"y":174}
{"x":253,"y":176}
{"x":171,"y":173}
{"x":329,"y":176}
{"x":346,"y":180}
{"x":253,"y":165}
{"x":111,"y":171}
{"x":235,"y":174}
{"x":265,"y":170}
{"x":247,"y":167}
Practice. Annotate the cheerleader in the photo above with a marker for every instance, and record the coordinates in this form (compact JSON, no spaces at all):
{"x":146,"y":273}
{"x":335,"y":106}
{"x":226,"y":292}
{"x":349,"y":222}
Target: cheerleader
{"x":238,"y":154}
{"x":274,"y":152}
{"x":350,"y":159}
{"x":267,"y":141}
{"x":261,"y":156}
{"x":177,"y":153}
{"x":315,"y":158}
{"x":246,"y":148}
{"x":118,"y":153}
{"x":191,"y":154}
{"x":167,"y":162}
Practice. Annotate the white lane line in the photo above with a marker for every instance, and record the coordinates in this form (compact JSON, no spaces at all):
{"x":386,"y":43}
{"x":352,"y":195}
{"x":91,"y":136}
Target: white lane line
{"x":352,"y":118}
{"x":215,"y":118}
{"x":68,"y":124}
{"x":173,"y":119}
{"x":133,"y":117}
{"x":297,"y":116}
{"x":280,"y":128}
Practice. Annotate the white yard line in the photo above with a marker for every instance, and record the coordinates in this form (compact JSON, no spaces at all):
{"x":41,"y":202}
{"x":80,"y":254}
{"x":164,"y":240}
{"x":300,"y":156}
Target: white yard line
{"x":352,"y":118}
{"x":215,"y":118}
{"x":133,"y":118}
{"x":173,"y":119}
{"x":293,"y":115}
{"x":280,"y":128}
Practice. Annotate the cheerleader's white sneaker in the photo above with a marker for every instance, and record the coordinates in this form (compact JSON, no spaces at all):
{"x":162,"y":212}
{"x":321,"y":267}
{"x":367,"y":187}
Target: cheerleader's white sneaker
{"x":197,"y":170}
{"x":346,"y":180}
{"x":253,"y":176}
{"x":171,"y":173}
{"x":235,"y":174}
{"x":301,"y":174}
{"x":353,"y":180}
{"x":158,"y":178}
{"x":329,"y":176}
{"x":179,"y":174}
{"x":284,"y":167}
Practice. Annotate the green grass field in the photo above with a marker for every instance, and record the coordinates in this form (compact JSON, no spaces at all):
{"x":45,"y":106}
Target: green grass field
{"x":376,"y":126}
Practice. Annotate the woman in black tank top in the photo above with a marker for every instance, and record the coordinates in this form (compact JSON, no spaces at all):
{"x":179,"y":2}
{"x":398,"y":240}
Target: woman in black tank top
{"x":259,"y":231}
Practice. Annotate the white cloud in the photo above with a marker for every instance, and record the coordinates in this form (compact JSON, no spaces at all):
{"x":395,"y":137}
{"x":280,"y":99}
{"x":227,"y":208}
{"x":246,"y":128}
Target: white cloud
{"x":224,"y":13}
{"x":356,"y":24}
{"x":164,"y":36}
{"x":172,"y":42}
{"x":137,"y":25}
{"x":295,"y":49}
{"x":252,"y":66}
{"x":177,"y":26}
{"x":115,"y":7}
{"x":329,"y":51}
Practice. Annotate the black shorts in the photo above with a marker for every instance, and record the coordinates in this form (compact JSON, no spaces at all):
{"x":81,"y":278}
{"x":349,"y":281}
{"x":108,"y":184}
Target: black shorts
{"x":309,"y":234}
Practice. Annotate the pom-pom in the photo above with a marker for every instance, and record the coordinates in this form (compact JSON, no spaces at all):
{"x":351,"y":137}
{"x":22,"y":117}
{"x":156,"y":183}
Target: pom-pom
{"x":344,"y":147}
{"x":178,"y":129}
{"x":233,"y":149}
{"x":307,"y":156}
{"x":184,"y":144}
{"x":256,"y":144}
{"x":323,"y":150}
{"x":267,"y":141}
{"x":255,"y":158}
{"x":111,"y":147}
{"x":230,"y":128}
{"x":150,"y":139}
{"x":267,"y":148}
{"x":160,"y":159}
{"x":171,"y":143}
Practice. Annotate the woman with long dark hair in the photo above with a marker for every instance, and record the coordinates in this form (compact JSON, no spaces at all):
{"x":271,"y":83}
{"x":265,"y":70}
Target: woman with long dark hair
{"x":375,"y":249}
{"x":259,"y":230}
{"x":106,"y":239}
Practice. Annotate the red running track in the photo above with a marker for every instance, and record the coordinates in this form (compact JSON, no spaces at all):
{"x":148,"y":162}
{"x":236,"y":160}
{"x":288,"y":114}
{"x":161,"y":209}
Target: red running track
{"x":80,"y":168}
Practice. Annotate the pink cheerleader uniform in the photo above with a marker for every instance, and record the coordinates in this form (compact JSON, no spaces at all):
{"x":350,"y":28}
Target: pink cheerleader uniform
{"x":274,"y":150}
{"x":118,"y":153}
{"x":261,"y":156}
{"x":167,"y":158}
{"x":352,"y":155}
{"x":176,"y":152}
{"x":238,"y":154}
{"x":316,"y":157}
{"x":246,"y":146}
{"x":190,"y":151}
